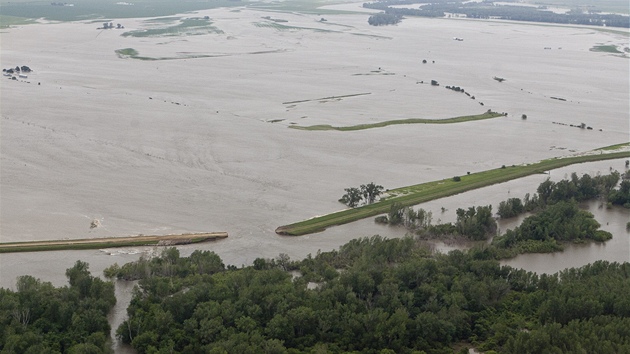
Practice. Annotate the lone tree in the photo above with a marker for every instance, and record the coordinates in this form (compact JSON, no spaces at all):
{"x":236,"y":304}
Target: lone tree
{"x":371,"y":191}
{"x":352,"y":198}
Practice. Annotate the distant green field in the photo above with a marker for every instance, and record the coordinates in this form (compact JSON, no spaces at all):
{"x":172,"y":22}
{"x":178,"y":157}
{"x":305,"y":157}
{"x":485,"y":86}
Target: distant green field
{"x":302,"y":6}
{"x":606,"y":49}
{"x":187,"y":27}
{"x":6,"y":21}
{"x":99,"y":9}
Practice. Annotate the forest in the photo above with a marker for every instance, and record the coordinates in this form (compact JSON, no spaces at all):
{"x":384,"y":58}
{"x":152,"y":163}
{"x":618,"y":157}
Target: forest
{"x":485,"y":10}
{"x":372,"y":295}
{"x":40,"y":318}
{"x":375,"y":295}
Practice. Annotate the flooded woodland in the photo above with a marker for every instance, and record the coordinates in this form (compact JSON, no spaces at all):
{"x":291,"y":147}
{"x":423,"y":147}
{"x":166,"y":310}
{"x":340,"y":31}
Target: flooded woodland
{"x":173,"y":131}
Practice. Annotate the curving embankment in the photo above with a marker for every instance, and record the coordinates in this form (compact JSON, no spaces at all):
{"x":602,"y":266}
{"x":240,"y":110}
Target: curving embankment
{"x":109,"y":242}
{"x":486,"y":115}
{"x":420,"y":193}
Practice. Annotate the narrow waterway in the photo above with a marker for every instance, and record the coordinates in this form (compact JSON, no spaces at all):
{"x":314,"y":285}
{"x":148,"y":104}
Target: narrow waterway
{"x":124,"y":293}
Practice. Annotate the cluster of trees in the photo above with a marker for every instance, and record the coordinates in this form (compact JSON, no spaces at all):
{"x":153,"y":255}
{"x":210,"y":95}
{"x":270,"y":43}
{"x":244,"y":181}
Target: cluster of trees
{"x":621,"y":196}
{"x":168,"y":264}
{"x":40,"y":318}
{"x":575,"y":188}
{"x":438,"y":8}
{"x":546,"y":230}
{"x":110,"y":25}
{"x":17,"y":69}
{"x":382,"y":296}
{"x":474,"y":223}
{"x":366,"y":193}
{"x":558,"y":220}
{"x":383,"y":19}
{"x":412,"y":219}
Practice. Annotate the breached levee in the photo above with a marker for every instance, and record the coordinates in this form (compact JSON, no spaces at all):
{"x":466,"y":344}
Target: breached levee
{"x":110,"y":242}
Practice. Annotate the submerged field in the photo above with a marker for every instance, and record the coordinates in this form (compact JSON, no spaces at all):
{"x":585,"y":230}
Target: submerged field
{"x":201,"y":141}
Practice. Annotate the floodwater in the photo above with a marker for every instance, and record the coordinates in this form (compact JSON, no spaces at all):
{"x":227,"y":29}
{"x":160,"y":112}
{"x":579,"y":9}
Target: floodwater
{"x":51,"y":266}
{"x":200,"y":141}
{"x":124,"y":293}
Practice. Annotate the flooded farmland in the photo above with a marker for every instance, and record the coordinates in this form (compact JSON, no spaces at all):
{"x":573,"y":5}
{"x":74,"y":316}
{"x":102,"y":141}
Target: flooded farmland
{"x":193,"y":133}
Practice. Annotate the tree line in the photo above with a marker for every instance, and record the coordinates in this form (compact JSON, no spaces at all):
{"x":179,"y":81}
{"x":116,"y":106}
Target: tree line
{"x":41,"y":318}
{"x":439,"y":8}
{"x":375,"y":295}
{"x":557,"y":217}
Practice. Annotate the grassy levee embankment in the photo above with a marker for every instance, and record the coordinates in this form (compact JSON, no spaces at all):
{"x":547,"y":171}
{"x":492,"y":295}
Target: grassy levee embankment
{"x":487,"y":115}
{"x":109,"y":242}
{"x":420,"y":193}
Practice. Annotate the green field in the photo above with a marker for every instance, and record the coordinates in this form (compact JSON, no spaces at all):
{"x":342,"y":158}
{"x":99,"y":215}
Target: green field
{"x":185,"y":27}
{"x":17,"y":11}
{"x":487,"y":115}
{"x":420,"y":193}
{"x":98,"y":9}
{"x":606,"y":49}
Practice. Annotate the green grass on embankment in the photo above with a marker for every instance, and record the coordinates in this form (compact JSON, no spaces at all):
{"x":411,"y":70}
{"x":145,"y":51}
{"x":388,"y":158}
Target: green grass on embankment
{"x":420,"y":193}
{"x":487,"y":115}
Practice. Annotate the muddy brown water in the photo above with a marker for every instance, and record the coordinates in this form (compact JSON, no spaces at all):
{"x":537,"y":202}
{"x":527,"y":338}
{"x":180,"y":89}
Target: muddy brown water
{"x":188,"y":145}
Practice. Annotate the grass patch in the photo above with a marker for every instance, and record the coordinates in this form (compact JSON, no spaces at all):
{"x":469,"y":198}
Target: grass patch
{"x":302,"y":6}
{"x":615,"y":147}
{"x":280,"y":27}
{"x":487,"y":115}
{"x":98,"y":9}
{"x":420,"y":193}
{"x":131,"y":53}
{"x":606,"y":49}
{"x":187,"y":27}
{"x":127,"y":52}
{"x":8,"y":21}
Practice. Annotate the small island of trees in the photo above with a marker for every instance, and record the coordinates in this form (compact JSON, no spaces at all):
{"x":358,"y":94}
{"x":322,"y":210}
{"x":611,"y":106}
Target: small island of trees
{"x":383,"y":19}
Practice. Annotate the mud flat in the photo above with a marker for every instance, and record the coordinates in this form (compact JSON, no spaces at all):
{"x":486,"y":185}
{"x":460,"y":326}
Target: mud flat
{"x":95,"y":243}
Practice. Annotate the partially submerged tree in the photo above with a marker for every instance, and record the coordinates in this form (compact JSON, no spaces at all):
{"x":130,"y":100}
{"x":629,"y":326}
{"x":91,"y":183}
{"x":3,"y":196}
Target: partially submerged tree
{"x":352,"y":198}
{"x":371,"y":191}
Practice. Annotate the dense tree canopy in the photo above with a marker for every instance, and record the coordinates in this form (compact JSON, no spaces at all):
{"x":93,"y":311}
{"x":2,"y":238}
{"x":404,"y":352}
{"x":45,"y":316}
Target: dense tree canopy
{"x":375,"y":295}
{"x":39,"y":318}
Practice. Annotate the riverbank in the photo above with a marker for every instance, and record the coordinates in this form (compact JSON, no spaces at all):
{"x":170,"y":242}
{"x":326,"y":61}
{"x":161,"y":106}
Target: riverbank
{"x":109,"y":242}
{"x":420,"y":193}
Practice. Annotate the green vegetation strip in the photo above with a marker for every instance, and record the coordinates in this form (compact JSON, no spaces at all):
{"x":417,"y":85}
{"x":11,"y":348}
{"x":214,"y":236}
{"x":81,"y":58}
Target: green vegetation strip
{"x":606,"y":49}
{"x":487,"y":115}
{"x":109,"y":242}
{"x":420,"y":193}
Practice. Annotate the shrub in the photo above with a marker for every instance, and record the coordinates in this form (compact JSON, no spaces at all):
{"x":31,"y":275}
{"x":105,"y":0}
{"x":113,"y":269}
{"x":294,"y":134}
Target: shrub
{"x":381,"y":219}
{"x":457,"y":178}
